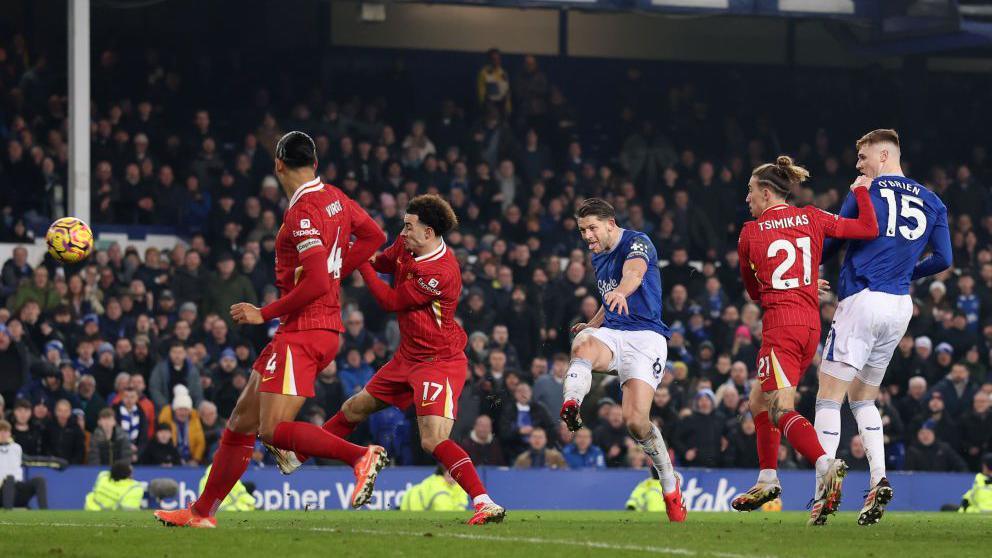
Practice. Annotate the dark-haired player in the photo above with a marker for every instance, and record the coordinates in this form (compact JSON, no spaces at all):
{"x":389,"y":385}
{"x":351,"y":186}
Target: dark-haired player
{"x":626,"y":336}
{"x":780,"y":259}
{"x":312,"y":253}
{"x":429,"y":368}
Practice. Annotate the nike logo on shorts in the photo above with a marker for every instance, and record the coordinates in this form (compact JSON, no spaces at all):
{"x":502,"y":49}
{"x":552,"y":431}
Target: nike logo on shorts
{"x":830,"y":433}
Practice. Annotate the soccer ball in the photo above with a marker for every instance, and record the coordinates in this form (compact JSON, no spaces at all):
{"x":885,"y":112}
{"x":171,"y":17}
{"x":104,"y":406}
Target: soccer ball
{"x":69,"y":240}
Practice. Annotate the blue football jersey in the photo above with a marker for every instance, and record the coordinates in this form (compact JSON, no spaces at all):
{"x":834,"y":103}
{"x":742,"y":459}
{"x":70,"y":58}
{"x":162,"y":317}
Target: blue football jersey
{"x":644,"y":304}
{"x":910,"y":218}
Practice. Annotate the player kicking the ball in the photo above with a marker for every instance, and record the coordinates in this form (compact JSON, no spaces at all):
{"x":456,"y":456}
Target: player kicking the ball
{"x":312,"y":251}
{"x":626,"y":336}
{"x":428,"y":370}
{"x":875,"y":306}
{"x":779,"y":258}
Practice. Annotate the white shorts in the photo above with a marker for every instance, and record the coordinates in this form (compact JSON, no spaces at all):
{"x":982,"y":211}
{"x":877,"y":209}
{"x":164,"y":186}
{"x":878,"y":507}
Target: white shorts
{"x":866,"y":329}
{"x":636,"y":354}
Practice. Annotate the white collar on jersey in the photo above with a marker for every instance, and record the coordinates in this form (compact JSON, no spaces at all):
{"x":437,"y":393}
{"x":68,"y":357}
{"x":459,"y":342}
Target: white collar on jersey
{"x":435,"y":255}
{"x":311,"y":186}
{"x":619,"y":238}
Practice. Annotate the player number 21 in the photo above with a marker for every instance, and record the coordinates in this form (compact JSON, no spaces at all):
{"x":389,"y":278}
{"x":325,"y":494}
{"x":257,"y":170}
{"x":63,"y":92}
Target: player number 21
{"x":783,"y":245}
{"x":428,"y":386}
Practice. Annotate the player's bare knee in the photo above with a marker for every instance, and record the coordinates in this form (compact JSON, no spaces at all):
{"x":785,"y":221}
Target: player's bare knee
{"x":639,"y":427}
{"x":428,"y":443}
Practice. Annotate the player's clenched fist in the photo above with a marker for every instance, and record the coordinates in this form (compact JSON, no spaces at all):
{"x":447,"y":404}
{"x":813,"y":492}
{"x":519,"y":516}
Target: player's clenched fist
{"x":616,"y":302}
{"x":244,"y":313}
{"x":861,"y":182}
{"x":579,"y":327}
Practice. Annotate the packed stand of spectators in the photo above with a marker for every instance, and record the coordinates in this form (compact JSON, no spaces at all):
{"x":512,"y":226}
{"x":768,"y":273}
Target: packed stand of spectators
{"x":148,"y":335}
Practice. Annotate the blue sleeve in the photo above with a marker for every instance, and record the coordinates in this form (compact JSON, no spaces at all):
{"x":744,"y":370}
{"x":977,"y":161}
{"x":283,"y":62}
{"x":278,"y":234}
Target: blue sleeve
{"x":848,"y":210}
{"x":639,"y":246}
{"x":940,"y":242}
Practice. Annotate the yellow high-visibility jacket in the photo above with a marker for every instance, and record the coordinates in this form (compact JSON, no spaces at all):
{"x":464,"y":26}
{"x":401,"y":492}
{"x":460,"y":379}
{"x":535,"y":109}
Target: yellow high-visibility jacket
{"x":979,"y":498}
{"x":111,"y":495}
{"x":647,"y":496}
{"x":434,"y":494}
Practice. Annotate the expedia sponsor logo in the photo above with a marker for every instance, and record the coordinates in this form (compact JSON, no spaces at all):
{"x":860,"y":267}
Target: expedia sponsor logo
{"x":428,"y":287}
{"x":306,"y":232}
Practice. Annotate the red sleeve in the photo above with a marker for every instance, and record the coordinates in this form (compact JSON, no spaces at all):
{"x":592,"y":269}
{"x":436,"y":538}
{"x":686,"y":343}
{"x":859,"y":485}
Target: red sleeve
{"x":368,"y":238}
{"x":411,"y":294}
{"x":747,"y":270}
{"x":865,"y":227}
{"x":313,"y":283}
{"x":386,"y":261}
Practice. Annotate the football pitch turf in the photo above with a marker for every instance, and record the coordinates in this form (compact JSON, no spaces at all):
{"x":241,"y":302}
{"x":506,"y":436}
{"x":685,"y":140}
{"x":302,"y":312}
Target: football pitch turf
{"x":525,"y":533}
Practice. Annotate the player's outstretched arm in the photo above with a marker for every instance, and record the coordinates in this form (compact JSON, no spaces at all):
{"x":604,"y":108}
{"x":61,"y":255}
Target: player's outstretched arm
{"x":848,"y":210}
{"x":410,"y":294}
{"x":747,"y":272}
{"x":313,"y":283}
{"x":940,"y":242}
{"x":368,"y":238}
{"x":865,"y":227}
{"x":630,"y":280}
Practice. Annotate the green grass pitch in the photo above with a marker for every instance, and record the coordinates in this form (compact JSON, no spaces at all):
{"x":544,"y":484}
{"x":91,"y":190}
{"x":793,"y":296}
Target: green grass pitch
{"x":439,"y":535}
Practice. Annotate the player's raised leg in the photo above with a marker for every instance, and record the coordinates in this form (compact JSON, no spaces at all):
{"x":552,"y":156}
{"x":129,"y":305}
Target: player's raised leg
{"x":862,"y":397}
{"x":636,"y":405}
{"x":230,"y":462}
{"x":588,"y":354}
{"x":769,"y":437}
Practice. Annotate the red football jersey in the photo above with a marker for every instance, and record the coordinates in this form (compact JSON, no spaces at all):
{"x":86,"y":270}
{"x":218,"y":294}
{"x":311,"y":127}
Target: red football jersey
{"x":780,"y":256}
{"x":319,"y":217}
{"x":433,"y":284}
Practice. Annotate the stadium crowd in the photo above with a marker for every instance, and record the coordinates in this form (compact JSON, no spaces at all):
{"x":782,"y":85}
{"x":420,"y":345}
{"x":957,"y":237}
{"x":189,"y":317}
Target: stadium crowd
{"x":134,"y":356}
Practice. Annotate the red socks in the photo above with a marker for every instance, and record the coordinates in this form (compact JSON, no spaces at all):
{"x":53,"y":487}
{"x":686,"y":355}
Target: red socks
{"x":230,"y":462}
{"x":340,"y":426}
{"x":312,"y":440}
{"x":337,"y":425}
{"x":769,"y":439}
{"x":801,"y":436}
{"x":460,"y":467}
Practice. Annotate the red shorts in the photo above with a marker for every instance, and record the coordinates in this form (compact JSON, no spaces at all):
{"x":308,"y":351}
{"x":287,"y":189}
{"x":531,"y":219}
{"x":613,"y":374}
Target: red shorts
{"x":289,"y":364}
{"x":786,"y":352}
{"x":432,"y":387}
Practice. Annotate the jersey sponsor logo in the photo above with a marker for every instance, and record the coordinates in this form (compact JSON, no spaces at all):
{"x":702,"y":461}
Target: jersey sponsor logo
{"x":304,"y":223}
{"x":308,"y":244}
{"x":607,"y":286}
{"x":429,"y":287}
{"x":306,"y":232}
{"x":333,"y":209}
{"x":783,"y":223}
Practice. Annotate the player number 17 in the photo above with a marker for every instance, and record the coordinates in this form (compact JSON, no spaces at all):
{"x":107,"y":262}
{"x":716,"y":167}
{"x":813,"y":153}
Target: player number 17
{"x":783,"y":245}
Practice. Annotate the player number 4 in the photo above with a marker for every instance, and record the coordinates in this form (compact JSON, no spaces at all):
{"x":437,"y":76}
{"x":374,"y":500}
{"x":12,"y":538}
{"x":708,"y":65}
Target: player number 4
{"x":783,"y":245}
{"x":271,"y":365}
{"x":909,"y":209}
{"x":334,"y":260}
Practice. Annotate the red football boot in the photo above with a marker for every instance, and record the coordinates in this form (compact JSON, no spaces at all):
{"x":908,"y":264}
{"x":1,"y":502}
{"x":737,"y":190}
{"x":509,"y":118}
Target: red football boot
{"x":185,"y":518}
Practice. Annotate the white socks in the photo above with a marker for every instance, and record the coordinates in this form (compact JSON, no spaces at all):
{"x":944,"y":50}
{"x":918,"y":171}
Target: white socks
{"x":578,"y":380}
{"x":768,"y":476}
{"x":870,"y":428}
{"x":482,"y":499}
{"x":827,"y":425}
{"x":655,"y":448}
